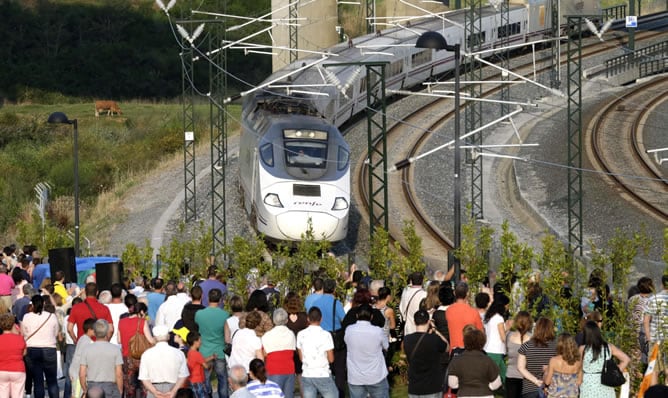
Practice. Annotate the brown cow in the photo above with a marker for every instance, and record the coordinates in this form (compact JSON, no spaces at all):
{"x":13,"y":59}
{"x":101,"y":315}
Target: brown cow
{"x":110,"y":106}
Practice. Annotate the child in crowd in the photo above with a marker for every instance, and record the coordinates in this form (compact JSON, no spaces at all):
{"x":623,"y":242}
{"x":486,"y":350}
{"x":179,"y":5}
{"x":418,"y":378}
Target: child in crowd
{"x":196,"y":365}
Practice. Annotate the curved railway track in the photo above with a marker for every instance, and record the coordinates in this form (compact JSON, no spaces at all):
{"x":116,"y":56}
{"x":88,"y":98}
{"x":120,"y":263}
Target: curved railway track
{"x":619,"y":152}
{"x":414,"y":130}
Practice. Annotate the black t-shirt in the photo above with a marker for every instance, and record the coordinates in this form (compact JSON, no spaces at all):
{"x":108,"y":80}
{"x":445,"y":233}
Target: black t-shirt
{"x":424,"y":375}
{"x":188,"y":315}
{"x":377,"y":318}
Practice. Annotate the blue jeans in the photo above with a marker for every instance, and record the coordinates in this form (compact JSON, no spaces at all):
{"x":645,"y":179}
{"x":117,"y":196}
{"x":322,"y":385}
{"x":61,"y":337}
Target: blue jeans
{"x":220,"y":367}
{"x":323,"y":385}
{"x":199,"y":390}
{"x":378,"y":390}
{"x":44,"y":367}
{"x":286,"y":382}
{"x":434,"y":395}
{"x":69,"y":354}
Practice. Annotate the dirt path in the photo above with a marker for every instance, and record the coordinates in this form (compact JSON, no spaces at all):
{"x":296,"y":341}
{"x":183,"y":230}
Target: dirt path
{"x":155,"y":205}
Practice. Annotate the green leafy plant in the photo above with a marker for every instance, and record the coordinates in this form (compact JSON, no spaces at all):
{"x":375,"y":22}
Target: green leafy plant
{"x":473,"y":252}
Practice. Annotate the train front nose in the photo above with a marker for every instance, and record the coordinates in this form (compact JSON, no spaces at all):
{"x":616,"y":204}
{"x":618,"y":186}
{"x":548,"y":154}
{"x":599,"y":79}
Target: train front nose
{"x":293,"y":224}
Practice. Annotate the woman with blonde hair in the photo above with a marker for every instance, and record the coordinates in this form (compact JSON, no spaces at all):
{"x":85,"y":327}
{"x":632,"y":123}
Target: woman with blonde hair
{"x":432,"y":301}
{"x":562,"y":372}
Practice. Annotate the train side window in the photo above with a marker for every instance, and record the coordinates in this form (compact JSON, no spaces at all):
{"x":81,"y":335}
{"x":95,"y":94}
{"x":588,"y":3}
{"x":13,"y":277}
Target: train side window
{"x":267,"y":154}
{"x":476,"y":40}
{"x":396,"y":68}
{"x":508,"y":30}
{"x":421,"y":57}
{"x":342,"y":158}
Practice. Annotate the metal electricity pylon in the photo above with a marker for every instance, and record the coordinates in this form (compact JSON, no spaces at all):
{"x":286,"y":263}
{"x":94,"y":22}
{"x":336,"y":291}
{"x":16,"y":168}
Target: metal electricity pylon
{"x":574,"y":87}
{"x":555,"y":48}
{"x":504,"y":55}
{"x":292,"y":30}
{"x":188,"y":98}
{"x":218,"y":125}
{"x":370,"y":16}
{"x":376,"y":141}
{"x":474,"y":40}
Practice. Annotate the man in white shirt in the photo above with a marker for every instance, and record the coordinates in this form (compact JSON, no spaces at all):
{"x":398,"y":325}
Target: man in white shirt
{"x":367,"y":373}
{"x":410,"y":301}
{"x":316,"y":351}
{"x":117,"y":308}
{"x":170,"y":311}
{"x":163,"y":369}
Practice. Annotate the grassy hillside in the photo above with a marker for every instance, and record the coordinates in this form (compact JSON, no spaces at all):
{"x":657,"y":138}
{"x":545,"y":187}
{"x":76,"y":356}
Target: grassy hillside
{"x":112,"y":151}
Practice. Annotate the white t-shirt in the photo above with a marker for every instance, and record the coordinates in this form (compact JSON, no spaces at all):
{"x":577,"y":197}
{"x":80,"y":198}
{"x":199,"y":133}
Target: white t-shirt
{"x":232,"y":324}
{"x":314,"y":343}
{"x":244,"y":345}
{"x":494,"y":344}
{"x":116,"y":310}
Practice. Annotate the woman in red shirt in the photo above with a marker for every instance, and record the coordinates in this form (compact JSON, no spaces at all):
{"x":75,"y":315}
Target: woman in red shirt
{"x":128,"y":325}
{"x":12,"y":368}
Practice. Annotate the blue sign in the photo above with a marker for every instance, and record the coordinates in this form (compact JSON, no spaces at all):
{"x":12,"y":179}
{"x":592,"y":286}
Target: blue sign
{"x":631,"y":21}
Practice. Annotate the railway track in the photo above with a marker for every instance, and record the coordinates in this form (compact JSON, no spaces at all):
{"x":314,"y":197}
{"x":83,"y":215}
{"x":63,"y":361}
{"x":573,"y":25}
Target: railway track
{"x":619,"y":152}
{"x":407,"y":138}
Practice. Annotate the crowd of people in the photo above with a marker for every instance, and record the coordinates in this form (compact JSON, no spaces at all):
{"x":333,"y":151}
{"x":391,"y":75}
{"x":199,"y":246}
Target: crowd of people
{"x":186,"y":339}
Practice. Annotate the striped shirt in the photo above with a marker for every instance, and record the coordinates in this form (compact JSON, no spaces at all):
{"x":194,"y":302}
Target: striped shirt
{"x":657,"y":308}
{"x":266,"y":389}
{"x":536,"y":358}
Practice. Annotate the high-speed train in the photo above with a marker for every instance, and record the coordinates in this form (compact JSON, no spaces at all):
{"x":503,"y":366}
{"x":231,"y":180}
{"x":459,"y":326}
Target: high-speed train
{"x":294,"y":163}
{"x":294,"y":169}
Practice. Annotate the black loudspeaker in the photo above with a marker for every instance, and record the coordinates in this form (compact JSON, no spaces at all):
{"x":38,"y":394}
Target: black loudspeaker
{"x":63,"y":259}
{"x":107,"y":274}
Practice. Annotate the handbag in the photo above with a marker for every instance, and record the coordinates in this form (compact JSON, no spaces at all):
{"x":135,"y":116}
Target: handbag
{"x":228,"y":346}
{"x":611,"y":376}
{"x":138,"y":343}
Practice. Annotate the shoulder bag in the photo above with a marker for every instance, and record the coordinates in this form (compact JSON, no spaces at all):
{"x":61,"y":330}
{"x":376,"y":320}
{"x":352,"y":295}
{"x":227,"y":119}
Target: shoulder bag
{"x":611,"y":376}
{"x":228,"y":346}
{"x":91,"y":310}
{"x":404,"y":316}
{"x":40,"y":326}
{"x":138,"y":342}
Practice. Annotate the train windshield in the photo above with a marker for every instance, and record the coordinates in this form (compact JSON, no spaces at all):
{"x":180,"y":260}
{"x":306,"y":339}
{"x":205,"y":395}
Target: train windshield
{"x":305,"y":148}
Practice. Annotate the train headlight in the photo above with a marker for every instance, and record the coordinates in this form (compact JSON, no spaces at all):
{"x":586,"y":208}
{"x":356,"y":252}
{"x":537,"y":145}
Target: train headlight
{"x":272,"y":199}
{"x":340,"y":204}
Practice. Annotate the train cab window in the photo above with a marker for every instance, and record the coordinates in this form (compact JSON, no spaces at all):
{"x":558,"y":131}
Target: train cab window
{"x":305,"y":148}
{"x":342,"y":158}
{"x":267,"y":154}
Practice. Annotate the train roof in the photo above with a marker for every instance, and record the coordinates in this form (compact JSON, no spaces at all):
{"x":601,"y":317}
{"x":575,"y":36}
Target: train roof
{"x":389,"y":40}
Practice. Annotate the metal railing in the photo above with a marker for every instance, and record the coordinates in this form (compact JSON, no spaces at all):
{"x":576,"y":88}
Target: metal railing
{"x":652,"y":67}
{"x":614,"y":12}
{"x":624,"y":62}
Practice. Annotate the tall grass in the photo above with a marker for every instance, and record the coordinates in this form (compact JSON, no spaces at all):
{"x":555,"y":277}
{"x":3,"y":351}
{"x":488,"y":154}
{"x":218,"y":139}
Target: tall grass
{"x":114,"y":152}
